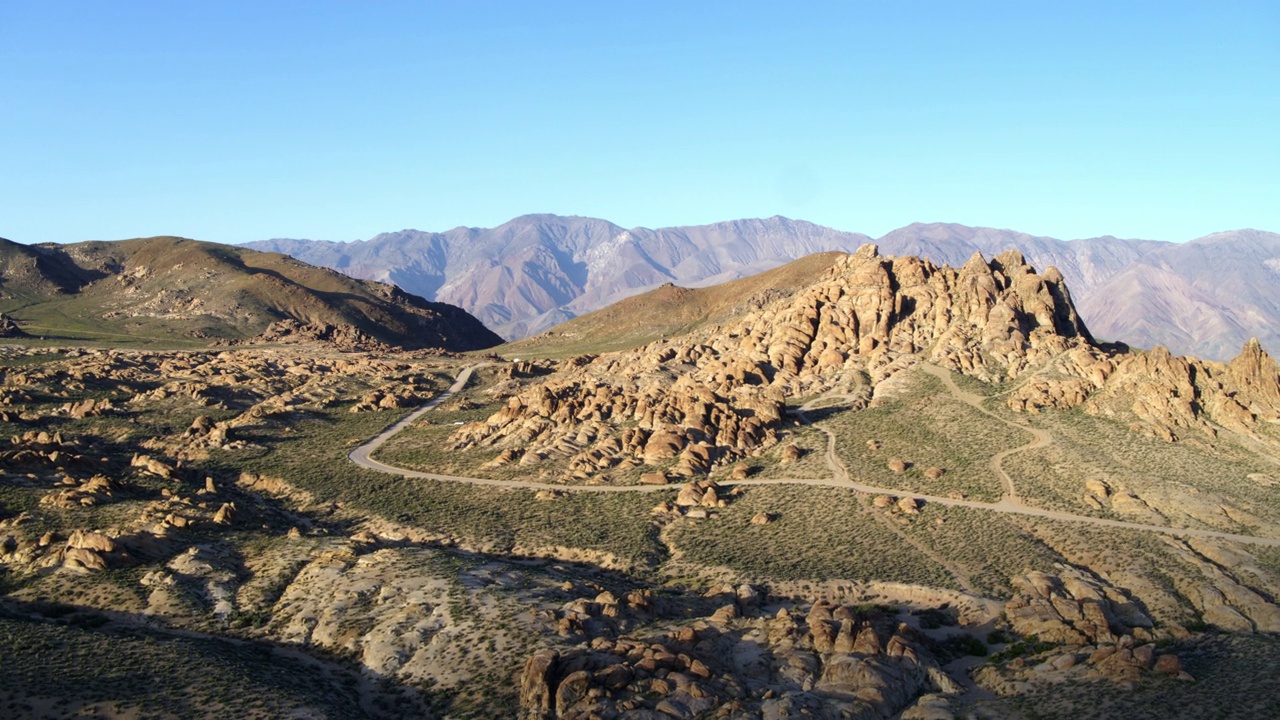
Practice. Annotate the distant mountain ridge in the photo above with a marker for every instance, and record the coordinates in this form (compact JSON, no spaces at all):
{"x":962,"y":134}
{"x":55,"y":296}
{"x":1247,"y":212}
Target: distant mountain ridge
{"x":1206,"y":297}
{"x":537,"y":271}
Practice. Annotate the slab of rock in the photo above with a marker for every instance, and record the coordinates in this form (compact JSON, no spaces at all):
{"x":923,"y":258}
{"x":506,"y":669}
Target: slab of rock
{"x":653,"y":478}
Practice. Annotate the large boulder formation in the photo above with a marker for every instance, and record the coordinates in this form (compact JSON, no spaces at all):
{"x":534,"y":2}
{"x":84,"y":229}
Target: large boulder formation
{"x":1158,"y":393}
{"x":719,"y":395}
{"x":1254,"y":379}
{"x":9,"y":328}
{"x":343,"y":337}
{"x":1076,"y":625}
{"x":1171,"y":397}
{"x":825,"y":661}
{"x":1074,"y":608}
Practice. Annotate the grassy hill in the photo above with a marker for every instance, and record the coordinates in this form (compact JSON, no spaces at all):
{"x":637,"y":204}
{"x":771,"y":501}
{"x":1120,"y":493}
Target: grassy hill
{"x":669,"y":311}
{"x":175,"y":289}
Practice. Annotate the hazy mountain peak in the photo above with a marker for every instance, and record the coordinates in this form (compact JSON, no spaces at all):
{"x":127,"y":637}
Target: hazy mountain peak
{"x":1244,"y":235}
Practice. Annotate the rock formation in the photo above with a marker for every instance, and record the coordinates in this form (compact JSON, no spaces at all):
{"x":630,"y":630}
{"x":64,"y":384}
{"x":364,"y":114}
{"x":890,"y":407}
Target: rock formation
{"x":824,"y":661}
{"x":9,"y":328}
{"x":716,"y":397}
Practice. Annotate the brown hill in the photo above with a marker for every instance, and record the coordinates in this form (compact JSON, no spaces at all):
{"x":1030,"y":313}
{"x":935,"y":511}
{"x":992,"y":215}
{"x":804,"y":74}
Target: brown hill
{"x":669,"y":311}
{"x":168,"y":287}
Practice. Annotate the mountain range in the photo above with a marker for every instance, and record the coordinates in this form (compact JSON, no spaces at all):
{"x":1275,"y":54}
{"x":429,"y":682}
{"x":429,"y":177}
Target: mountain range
{"x":1204,"y":297}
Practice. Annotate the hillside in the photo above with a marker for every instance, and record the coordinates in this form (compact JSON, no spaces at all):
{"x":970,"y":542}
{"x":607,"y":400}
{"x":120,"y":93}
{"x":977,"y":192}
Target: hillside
{"x":540,"y":270}
{"x":537,"y":271}
{"x":887,"y":417}
{"x":181,"y":289}
{"x":669,"y":311}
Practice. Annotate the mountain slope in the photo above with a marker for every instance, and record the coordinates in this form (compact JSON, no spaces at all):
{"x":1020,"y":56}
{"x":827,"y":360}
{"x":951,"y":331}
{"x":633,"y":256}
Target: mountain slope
{"x":175,"y":287}
{"x":1204,"y":297}
{"x":537,"y":271}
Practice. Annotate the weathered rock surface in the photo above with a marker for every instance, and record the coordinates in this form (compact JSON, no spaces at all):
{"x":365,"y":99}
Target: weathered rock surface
{"x":835,"y":661}
{"x":9,"y":328}
{"x":716,"y":398}
{"x":1159,"y":394}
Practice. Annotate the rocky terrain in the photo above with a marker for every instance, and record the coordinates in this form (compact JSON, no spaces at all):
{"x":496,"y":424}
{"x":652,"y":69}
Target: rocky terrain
{"x":174,"y":289}
{"x":878,"y":487}
{"x":1206,"y":297}
{"x":717,"y":396}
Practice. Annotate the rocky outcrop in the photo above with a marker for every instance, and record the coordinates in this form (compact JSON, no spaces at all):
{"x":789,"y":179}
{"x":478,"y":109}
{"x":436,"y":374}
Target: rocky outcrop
{"x":834,"y":661}
{"x":1157,"y":393}
{"x":343,"y":337}
{"x":716,"y":397}
{"x":1171,"y":397}
{"x":1073,"y":608}
{"x":1074,"y":624}
{"x":9,"y":328}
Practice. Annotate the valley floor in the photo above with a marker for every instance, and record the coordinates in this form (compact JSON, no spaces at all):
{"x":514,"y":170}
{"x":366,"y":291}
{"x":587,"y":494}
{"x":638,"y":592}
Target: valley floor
{"x":259,"y":532}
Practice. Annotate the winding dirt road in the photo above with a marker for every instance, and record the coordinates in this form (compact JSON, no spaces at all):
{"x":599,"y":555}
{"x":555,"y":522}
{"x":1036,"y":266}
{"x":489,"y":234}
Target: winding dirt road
{"x":1009,"y":504}
{"x":362,"y":455}
{"x":1041,"y":438}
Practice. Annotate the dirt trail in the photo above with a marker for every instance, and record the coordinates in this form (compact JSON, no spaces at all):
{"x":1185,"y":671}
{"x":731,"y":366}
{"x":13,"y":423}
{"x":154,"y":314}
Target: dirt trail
{"x":1040,"y":439}
{"x":361,"y":456}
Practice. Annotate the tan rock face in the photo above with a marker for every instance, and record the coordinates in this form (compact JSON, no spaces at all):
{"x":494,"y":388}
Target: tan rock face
{"x":724,"y":391}
{"x":97,"y":542}
{"x":1173,"y":397}
{"x":1072,"y":608}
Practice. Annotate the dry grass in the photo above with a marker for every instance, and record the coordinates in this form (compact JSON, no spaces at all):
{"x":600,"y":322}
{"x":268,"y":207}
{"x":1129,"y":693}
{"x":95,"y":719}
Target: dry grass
{"x":1186,"y":481}
{"x":927,"y":427}
{"x":819,"y":533}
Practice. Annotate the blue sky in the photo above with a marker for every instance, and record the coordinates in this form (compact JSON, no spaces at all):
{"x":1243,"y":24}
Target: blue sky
{"x":242,"y":121}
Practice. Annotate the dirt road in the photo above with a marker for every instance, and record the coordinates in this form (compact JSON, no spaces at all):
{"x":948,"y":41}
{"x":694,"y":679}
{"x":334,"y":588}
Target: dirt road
{"x":1009,"y":504}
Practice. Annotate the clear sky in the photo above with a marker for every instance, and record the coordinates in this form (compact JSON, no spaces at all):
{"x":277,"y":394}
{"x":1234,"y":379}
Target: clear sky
{"x":231,"y":121}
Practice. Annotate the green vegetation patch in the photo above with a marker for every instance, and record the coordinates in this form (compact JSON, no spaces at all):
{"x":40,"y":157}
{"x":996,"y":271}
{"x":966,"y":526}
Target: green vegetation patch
{"x":991,"y":547}
{"x":819,"y":533}
{"x":312,"y":455}
{"x":926,"y":427}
